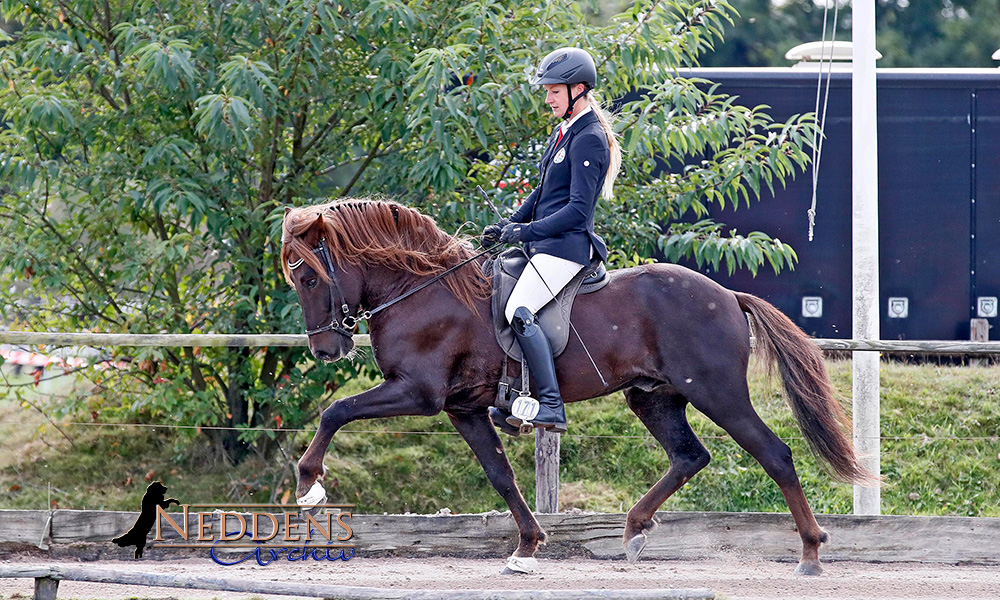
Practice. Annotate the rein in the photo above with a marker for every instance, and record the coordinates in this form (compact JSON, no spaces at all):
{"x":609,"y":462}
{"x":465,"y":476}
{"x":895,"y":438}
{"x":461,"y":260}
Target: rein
{"x":350,"y":322}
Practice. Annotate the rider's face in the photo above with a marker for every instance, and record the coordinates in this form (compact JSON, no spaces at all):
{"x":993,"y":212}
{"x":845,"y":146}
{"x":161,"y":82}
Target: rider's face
{"x":557,"y":98}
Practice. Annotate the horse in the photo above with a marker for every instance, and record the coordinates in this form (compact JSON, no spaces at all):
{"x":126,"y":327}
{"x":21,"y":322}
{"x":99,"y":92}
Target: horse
{"x":663,"y":334}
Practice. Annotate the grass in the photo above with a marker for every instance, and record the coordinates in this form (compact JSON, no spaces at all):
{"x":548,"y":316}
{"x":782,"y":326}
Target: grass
{"x":941,"y":456}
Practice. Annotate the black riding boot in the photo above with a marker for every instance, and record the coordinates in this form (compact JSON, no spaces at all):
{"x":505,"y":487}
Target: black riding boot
{"x":542,"y":370}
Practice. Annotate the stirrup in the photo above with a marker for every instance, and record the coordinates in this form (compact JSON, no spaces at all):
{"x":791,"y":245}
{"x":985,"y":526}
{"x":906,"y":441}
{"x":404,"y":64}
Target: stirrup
{"x":523,"y":427}
{"x":499,"y":418}
{"x":527,"y":426}
{"x":523,"y":409}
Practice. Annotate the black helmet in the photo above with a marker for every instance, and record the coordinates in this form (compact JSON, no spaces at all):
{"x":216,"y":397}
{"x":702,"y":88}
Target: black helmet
{"x":567,"y":65}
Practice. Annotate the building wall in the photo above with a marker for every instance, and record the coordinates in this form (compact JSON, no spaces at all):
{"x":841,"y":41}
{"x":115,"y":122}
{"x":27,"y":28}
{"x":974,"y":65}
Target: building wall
{"x":939,"y":199}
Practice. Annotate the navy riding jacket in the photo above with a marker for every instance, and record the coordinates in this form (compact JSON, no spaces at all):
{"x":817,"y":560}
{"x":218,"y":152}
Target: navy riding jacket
{"x":559,"y":212}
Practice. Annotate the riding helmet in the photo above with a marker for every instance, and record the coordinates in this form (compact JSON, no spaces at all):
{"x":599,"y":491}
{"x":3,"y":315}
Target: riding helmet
{"x":567,"y":65}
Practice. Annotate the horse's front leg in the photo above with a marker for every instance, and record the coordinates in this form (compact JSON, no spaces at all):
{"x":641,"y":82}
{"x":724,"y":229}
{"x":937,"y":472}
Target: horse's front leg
{"x":481,"y":435}
{"x":393,"y":398}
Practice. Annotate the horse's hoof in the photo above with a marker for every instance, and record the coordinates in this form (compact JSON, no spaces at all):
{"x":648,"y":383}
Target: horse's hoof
{"x":314,"y":499}
{"x":520,"y":565}
{"x":634,"y":547}
{"x":809,"y":568}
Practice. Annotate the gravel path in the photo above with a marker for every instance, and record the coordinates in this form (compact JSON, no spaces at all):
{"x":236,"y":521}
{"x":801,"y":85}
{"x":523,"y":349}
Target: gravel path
{"x":736,"y":578}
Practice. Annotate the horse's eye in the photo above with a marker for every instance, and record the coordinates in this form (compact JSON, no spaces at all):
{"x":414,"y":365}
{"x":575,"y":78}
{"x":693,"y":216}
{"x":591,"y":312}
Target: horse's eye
{"x":311,"y":283}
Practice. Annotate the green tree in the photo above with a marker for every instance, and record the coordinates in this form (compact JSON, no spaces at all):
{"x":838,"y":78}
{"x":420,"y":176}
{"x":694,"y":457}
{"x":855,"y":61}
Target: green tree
{"x":149,"y":147}
{"x":910,"y":33}
{"x":938,"y":33}
{"x":764,"y":31}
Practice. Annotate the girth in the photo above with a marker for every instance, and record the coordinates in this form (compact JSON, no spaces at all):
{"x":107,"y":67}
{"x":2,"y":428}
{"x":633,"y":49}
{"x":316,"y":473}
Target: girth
{"x":554,"y":318}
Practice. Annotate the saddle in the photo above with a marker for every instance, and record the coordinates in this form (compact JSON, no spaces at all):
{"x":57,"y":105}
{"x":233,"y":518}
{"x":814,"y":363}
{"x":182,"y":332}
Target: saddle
{"x":554,"y":316}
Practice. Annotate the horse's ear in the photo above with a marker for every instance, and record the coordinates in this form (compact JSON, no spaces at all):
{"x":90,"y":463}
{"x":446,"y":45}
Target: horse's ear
{"x":288,"y":209}
{"x":317,"y":226}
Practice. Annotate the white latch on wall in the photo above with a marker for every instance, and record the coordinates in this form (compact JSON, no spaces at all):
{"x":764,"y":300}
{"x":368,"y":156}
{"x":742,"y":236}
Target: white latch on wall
{"x":986,"y":306}
{"x":812,"y":306}
{"x":899,"y":308}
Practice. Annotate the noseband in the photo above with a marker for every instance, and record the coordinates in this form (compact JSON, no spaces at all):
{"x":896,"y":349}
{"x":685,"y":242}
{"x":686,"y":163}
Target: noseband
{"x":350,"y":322}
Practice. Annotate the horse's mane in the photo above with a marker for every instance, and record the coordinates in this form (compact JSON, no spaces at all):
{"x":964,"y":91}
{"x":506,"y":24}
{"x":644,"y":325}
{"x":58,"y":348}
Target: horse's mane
{"x":385,"y":233}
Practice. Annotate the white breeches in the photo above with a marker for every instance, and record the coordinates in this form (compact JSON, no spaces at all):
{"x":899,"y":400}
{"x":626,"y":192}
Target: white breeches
{"x":543,"y":277}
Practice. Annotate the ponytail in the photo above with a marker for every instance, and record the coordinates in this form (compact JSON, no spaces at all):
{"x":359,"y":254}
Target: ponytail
{"x":607,"y":119}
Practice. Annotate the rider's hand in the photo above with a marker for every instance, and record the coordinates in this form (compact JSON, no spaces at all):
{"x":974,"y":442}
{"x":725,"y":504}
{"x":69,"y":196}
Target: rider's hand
{"x":491,"y":233}
{"x":511,"y":233}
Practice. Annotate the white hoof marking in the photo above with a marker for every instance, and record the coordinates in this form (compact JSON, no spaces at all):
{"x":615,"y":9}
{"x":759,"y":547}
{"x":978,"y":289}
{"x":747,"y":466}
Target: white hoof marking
{"x":315,"y":495}
{"x":521,"y":564}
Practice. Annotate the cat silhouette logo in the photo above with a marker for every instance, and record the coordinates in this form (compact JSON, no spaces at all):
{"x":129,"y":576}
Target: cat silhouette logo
{"x":154,"y":497}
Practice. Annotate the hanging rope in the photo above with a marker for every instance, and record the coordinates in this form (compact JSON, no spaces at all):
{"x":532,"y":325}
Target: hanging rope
{"x":818,"y":144}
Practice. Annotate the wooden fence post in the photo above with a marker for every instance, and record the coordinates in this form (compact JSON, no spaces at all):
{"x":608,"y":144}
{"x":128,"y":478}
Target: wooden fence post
{"x":546,"y":471}
{"x":979,"y":331}
{"x":46,"y":588}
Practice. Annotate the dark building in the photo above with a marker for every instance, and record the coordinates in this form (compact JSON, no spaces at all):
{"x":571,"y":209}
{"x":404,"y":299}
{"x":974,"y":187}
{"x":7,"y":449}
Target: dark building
{"x":939,"y":201}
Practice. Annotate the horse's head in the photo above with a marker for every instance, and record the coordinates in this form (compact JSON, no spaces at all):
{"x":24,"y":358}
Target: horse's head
{"x":329,"y":291}
{"x":343,"y":253}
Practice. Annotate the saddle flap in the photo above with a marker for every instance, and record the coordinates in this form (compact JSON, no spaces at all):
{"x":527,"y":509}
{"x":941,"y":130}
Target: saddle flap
{"x":554,"y":318}
{"x":512,"y":263}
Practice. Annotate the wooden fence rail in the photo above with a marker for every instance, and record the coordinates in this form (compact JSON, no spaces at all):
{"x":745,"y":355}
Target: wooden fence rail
{"x":165,"y":340}
{"x":47,"y":580}
{"x":296,"y":340}
{"x":678,"y":536}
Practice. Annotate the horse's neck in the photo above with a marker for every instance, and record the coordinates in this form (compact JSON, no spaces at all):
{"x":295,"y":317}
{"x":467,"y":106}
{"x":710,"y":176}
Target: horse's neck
{"x":383,"y":285}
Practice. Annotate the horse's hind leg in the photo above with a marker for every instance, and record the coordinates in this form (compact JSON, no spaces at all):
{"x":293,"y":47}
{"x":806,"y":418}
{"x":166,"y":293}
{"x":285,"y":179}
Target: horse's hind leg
{"x":737,"y":416}
{"x":662,"y":411}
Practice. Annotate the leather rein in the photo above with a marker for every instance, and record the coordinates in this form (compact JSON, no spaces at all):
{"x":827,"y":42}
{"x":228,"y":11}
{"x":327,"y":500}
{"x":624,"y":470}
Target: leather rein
{"x":350,"y":322}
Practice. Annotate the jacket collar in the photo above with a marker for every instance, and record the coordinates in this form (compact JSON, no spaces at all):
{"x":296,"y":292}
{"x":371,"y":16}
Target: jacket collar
{"x":565,"y":125}
{"x":576,"y":125}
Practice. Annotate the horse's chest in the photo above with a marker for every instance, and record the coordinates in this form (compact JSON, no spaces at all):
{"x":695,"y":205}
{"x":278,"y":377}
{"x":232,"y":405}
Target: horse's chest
{"x":395,"y":349}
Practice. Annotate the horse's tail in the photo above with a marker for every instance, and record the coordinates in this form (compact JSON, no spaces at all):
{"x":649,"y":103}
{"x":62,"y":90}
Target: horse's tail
{"x":810,"y":394}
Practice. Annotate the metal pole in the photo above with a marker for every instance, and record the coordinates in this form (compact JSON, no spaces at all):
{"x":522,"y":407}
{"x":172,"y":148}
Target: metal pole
{"x":867,"y":500}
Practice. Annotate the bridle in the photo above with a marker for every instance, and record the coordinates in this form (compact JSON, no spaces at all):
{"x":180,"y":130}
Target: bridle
{"x":349,"y":322}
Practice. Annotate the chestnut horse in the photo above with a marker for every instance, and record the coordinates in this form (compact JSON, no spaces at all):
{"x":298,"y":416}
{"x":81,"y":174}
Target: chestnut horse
{"x":665,"y":335}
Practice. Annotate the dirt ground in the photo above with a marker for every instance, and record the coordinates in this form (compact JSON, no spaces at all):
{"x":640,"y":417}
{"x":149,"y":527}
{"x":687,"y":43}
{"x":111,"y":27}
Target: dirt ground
{"x":734,"y":578}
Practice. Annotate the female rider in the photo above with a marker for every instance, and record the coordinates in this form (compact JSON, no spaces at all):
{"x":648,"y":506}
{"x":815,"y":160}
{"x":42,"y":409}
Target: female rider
{"x":556,"y":221}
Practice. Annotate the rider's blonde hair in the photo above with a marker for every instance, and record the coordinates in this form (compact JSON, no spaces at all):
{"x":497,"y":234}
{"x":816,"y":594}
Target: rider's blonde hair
{"x":607,"y":119}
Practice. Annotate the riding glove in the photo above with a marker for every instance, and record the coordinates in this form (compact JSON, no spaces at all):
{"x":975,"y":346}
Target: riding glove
{"x":512,"y":233}
{"x":491,"y":233}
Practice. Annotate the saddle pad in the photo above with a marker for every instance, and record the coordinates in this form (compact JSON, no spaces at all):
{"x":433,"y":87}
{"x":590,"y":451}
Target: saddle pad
{"x":554,"y":316}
